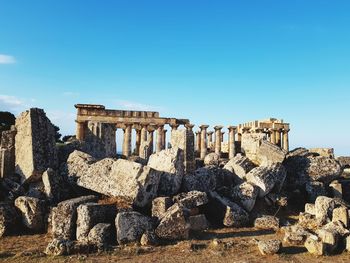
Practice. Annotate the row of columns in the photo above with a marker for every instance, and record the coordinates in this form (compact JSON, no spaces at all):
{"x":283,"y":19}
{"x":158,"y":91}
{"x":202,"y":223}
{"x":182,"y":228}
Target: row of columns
{"x":204,"y":138}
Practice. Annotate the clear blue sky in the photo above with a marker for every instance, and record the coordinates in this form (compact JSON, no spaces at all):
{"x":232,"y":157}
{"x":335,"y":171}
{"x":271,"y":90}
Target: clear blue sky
{"x":214,"y":62}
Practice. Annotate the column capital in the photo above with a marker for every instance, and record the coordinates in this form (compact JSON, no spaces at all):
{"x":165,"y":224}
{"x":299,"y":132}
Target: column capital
{"x":245,"y":129}
{"x":210,"y":133}
{"x":232,"y":128}
{"x":174,"y":126}
{"x":218,"y":127}
{"x":286,"y":130}
{"x":189,"y":126}
{"x":198,"y":132}
{"x":204,"y":127}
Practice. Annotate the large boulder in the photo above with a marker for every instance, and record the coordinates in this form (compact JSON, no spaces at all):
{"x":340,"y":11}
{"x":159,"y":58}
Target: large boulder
{"x":32,"y":212}
{"x":267,"y":222}
{"x":7,"y":153}
{"x":131,"y":226}
{"x":9,"y":218}
{"x":100,"y":236}
{"x":240,"y":166}
{"x":171,"y":163}
{"x":245,"y":195}
{"x":269,"y":247}
{"x":35,"y":144}
{"x":64,"y":217}
{"x":160,"y":205}
{"x":115,"y":178}
{"x":212,"y":159}
{"x":203,"y":179}
{"x":323,"y":169}
{"x":59,"y":247}
{"x":267,"y":178}
{"x":55,"y":186}
{"x":191,"y":199}
{"x":90,"y":214}
{"x":173,"y":225}
{"x":324,"y":207}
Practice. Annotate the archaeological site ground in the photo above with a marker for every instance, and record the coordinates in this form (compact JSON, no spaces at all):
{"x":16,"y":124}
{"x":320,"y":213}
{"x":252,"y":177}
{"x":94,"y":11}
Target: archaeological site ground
{"x":177,"y":192}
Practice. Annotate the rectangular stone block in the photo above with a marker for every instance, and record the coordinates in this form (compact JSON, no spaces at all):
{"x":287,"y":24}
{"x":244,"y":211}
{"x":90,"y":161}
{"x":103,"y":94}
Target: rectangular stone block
{"x":7,"y":153}
{"x":184,"y":140}
{"x":35,"y":144}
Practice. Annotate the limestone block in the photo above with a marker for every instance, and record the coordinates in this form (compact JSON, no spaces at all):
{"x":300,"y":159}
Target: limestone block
{"x":64,"y":217}
{"x":149,"y":238}
{"x":191,"y":199}
{"x":212,"y":159}
{"x":100,"y":236}
{"x":131,"y":226}
{"x":324,"y":208}
{"x":35,"y":144}
{"x":341,"y":214}
{"x":269,"y":247}
{"x":267,"y":222}
{"x":91,"y":214}
{"x":204,"y":179}
{"x":323,"y":169}
{"x":347,"y":243}
{"x":171,"y":163}
{"x":240,"y":166}
{"x":54,"y":186}
{"x":59,"y":247}
{"x":198,"y":222}
{"x":32,"y":212}
{"x":245,"y":195}
{"x":184,"y":140}
{"x":115,"y":178}
{"x":160,"y":205}
{"x":337,"y":189}
{"x":173,"y":225}
{"x":309,"y":222}
{"x":344,"y":161}
{"x":310,"y":209}
{"x":9,"y":218}
{"x":266,"y":177}
{"x":325,"y":152}
{"x":295,"y":235}
{"x":7,"y":153}
{"x":314,"y":245}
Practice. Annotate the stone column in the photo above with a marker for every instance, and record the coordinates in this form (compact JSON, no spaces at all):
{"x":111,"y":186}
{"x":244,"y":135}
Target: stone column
{"x":222,"y":136}
{"x":286,"y":140}
{"x":80,"y":132}
{"x":127,"y":140}
{"x":159,"y":142}
{"x":143,"y":141}
{"x":203,"y":151}
{"x":210,"y":139}
{"x":150,"y":141}
{"x":218,"y":139}
{"x":138,"y":142}
{"x":231,"y":142}
{"x":278,"y":137}
{"x":245,"y":130}
{"x":273,"y":136}
{"x":164,"y":139}
{"x":189,"y":127}
{"x":198,"y":141}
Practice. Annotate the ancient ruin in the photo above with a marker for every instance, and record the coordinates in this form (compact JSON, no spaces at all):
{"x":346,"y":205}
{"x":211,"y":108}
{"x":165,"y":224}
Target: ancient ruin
{"x":85,"y":195}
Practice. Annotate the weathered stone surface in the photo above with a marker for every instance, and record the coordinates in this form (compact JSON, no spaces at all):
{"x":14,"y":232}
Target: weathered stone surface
{"x":310,"y":209}
{"x":240,"y":166}
{"x":347,"y":243}
{"x":198,"y":222}
{"x":171,"y":163}
{"x":212,"y":159}
{"x":245,"y":195}
{"x":59,"y":247}
{"x":173,"y":226}
{"x":344,"y":161}
{"x":269,"y":247}
{"x":54,"y":186}
{"x":101,"y":236}
{"x":204,"y":180}
{"x":120,"y":178}
{"x":314,"y":245}
{"x":341,"y":214}
{"x":309,"y":222}
{"x":314,"y":190}
{"x":223,"y":210}
{"x":337,"y":189}
{"x":323,"y":169}
{"x":267,"y":177}
{"x":191,"y":199}
{"x":184,"y":140}
{"x":267,"y":222}
{"x":325,"y":152}
{"x":9,"y":218}
{"x":260,"y":151}
{"x":32,"y":212}
{"x":7,"y":153}
{"x":331,"y":234}
{"x":35,"y":144}
{"x":91,"y":214}
{"x":64,"y":217}
{"x":131,"y":226}
{"x":295,"y":235}
{"x":160,"y":205}
{"x":149,"y":238}
{"x":324,"y":208}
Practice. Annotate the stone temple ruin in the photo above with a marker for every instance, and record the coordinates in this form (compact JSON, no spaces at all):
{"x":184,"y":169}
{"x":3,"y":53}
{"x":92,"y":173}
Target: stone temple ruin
{"x":153,"y":192}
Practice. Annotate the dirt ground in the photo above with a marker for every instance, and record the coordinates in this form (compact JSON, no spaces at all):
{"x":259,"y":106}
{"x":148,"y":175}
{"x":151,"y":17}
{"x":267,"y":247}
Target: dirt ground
{"x":235,"y":245}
